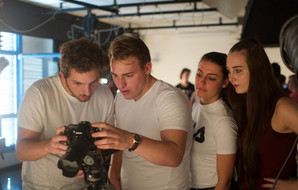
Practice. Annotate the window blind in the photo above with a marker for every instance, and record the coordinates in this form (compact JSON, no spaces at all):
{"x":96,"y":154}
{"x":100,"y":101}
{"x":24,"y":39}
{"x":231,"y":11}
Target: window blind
{"x":8,"y":86}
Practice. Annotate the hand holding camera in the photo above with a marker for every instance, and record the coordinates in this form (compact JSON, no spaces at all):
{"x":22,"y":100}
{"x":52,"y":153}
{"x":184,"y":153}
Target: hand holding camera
{"x":55,"y":146}
{"x":112,"y":137}
{"x":82,"y":154}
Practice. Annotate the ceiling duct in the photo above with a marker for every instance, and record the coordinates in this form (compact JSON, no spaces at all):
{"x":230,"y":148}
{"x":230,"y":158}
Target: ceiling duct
{"x":228,"y":8}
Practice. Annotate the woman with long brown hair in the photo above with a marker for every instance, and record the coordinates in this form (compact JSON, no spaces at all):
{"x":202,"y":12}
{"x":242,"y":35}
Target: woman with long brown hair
{"x":267,"y":119}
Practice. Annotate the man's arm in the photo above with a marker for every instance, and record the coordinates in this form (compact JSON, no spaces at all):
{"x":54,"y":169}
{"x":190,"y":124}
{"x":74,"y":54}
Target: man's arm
{"x":29,"y":147}
{"x":167,"y":152}
{"x":115,"y":168}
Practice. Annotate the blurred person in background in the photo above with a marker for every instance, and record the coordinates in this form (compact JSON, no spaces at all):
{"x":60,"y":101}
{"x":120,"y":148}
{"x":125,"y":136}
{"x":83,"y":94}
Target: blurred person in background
{"x":186,"y":87}
{"x":293,"y":87}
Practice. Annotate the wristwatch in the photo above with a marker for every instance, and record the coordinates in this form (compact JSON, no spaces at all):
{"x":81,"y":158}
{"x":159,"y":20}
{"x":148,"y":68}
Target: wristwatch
{"x":136,"y":139}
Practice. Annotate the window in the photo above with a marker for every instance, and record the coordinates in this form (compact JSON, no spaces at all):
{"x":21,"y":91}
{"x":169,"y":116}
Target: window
{"x":22,"y":71}
{"x":39,"y":66}
{"x":8,"y":84}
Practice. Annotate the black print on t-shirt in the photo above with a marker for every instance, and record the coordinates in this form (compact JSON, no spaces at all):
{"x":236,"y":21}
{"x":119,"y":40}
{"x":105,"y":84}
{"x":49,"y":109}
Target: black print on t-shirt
{"x":199,"y":136}
{"x":194,"y":124}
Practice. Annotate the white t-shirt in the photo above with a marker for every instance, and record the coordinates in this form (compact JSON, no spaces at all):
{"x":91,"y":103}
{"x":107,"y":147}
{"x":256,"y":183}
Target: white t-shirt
{"x":215,"y":132}
{"x":162,"y":107}
{"x":47,"y":106}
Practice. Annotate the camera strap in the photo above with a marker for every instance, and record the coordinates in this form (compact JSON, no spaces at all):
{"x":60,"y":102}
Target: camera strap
{"x":276,"y":179}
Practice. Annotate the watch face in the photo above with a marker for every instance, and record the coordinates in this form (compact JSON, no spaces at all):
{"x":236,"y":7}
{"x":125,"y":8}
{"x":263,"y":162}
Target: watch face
{"x":138,"y":138}
{"x":136,"y":141}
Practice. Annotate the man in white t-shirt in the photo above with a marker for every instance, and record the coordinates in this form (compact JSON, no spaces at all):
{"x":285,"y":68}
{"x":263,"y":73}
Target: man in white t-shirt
{"x":50,"y":104}
{"x":153,"y":124}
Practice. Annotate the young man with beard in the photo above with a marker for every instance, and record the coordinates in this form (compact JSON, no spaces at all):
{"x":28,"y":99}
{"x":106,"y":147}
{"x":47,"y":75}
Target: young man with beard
{"x":50,"y":104}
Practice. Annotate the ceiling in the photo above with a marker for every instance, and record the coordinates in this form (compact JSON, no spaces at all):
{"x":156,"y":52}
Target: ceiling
{"x":262,"y":19}
{"x":152,"y":14}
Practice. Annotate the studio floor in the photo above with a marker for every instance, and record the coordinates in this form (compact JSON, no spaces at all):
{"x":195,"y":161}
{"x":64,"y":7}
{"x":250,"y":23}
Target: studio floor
{"x":11,"y":178}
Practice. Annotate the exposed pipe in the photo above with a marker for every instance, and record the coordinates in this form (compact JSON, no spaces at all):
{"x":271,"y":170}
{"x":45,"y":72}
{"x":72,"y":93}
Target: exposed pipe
{"x":90,"y":6}
{"x":158,"y":12}
{"x":181,"y":26}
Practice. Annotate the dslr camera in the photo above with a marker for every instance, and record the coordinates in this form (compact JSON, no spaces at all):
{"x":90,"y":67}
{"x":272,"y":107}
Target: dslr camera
{"x":82,"y":154}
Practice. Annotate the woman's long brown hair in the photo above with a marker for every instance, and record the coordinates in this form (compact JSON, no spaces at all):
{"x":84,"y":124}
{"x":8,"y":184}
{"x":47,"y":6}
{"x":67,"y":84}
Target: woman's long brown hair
{"x":253,"y":109}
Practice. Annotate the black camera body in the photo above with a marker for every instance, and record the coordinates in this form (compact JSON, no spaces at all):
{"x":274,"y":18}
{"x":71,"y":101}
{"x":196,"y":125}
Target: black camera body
{"x":80,"y":142}
{"x":82,"y":154}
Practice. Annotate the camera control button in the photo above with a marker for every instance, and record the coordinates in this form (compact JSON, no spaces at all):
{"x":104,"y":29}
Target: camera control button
{"x":88,"y":160}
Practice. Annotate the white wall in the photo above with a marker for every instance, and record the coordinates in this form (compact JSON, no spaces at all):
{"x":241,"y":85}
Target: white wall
{"x":173,"y":49}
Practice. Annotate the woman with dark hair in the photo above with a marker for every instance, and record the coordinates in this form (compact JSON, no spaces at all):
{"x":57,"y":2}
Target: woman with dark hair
{"x":215,"y":132}
{"x":266,"y":117}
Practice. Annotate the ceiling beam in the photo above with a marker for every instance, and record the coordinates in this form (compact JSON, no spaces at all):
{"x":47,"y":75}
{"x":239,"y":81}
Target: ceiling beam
{"x":115,"y":7}
{"x":158,"y":13}
{"x":182,"y":26}
{"x":91,"y":6}
{"x":157,"y":3}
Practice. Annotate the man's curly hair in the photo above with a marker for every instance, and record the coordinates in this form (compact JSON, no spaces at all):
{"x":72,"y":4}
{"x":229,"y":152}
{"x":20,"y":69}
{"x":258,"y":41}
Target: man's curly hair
{"x":83,"y":55}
